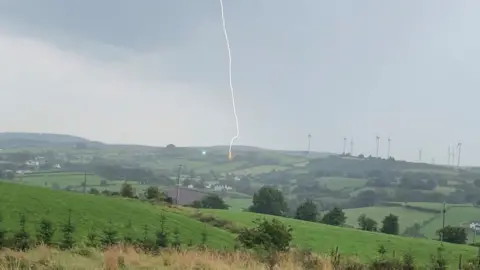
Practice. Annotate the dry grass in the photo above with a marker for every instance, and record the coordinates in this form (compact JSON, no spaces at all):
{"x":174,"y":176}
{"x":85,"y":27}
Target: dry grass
{"x":129,"y":258}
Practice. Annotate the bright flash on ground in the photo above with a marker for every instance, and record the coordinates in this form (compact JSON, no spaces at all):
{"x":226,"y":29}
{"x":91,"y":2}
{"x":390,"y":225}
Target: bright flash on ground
{"x":204,"y":153}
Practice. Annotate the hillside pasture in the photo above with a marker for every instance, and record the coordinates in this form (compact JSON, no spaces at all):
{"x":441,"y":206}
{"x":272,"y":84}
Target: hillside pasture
{"x":260,"y":170}
{"x":351,"y":242}
{"x":455,"y":216}
{"x":61,"y":179}
{"x":406,"y":217}
{"x":339,"y":183}
{"x":95,"y":212}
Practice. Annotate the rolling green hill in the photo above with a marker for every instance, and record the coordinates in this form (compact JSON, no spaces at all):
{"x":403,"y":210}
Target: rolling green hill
{"x":323,"y":238}
{"x":89,"y":211}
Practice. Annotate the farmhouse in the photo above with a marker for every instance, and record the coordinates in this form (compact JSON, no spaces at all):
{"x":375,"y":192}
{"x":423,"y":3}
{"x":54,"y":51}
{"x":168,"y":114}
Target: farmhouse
{"x":186,"y":195}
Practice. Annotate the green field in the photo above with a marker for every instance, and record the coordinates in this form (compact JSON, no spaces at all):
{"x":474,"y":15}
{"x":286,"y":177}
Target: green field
{"x":406,"y":217}
{"x":339,"y":183}
{"x":90,"y":211}
{"x":323,"y":238}
{"x":260,"y":169}
{"x":238,"y":204}
{"x":455,"y":216}
{"x":61,"y":179}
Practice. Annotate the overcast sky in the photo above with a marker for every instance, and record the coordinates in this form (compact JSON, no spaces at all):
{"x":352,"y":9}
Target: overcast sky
{"x":156,"y":72}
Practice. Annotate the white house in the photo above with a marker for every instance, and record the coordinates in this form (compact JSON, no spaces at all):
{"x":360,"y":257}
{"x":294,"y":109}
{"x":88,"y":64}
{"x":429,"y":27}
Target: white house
{"x":222,"y":187}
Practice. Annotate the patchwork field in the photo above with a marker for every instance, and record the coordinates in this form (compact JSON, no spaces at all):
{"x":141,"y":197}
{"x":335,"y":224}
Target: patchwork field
{"x":406,"y":217}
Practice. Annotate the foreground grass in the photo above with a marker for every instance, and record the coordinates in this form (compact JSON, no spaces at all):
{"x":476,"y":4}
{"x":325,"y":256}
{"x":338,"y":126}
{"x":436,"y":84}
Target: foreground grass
{"x":95,"y":212}
{"x":129,"y":258}
{"x":351,"y":242}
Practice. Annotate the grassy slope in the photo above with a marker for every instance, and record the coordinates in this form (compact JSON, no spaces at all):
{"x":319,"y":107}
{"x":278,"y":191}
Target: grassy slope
{"x":455,"y":216}
{"x":89,"y":211}
{"x":322,"y":238}
{"x":406,"y":217}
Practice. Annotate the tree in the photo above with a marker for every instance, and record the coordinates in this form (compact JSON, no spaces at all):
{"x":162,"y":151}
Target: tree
{"x":45,"y":232}
{"x":456,"y":235}
{"x":307,"y":211}
{"x":335,"y":217}
{"x":367,"y":224}
{"x":152,"y":193}
{"x":270,"y":235}
{"x":212,"y":201}
{"x":268,"y":238}
{"x":109,"y":237}
{"x":477,"y":183}
{"x":268,"y":200}
{"x":94,"y":191}
{"x":170,"y":146}
{"x":127,"y":191}
{"x":22,"y":238}
{"x":390,"y":224}
{"x":68,"y":229}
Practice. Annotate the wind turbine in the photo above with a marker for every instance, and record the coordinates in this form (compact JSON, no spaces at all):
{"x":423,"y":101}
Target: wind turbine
{"x":453,"y":156}
{"x":420,"y":154}
{"x":388,"y":150}
{"x":378,"y":141}
{"x":351,"y":147}
{"x":344,"y":145}
{"x":309,"y":140}
{"x":459,"y":147}
{"x":449,"y":155}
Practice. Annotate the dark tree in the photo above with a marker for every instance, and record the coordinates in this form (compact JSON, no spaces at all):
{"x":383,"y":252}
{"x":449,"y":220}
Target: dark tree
{"x":162,"y":235}
{"x":94,"y":191}
{"x":456,"y":235}
{"x":92,"y":238}
{"x":152,"y":193}
{"x":68,"y":229}
{"x":335,"y":217}
{"x":390,"y":224}
{"x":128,"y":237}
{"x":268,"y":200}
{"x":367,"y":224}
{"x":268,"y":235}
{"x":212,"y":201}
{"x":127,"y":191}
{"x":45,"y":232}
{"x":22,"y":238}
{"x":204,"y":236}
{"x":109,"y":237}
{"x":176,"y":239}
{"x":307,"y":211}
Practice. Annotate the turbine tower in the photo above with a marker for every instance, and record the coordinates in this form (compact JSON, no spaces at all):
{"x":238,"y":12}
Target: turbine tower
{"x":388,"y":150}
{"x":420,"y":154}
{"x":309,"y":140}
{"x":344,"y":146}
{"x":459,"y":147}
{"x":351,"y":147}
{"x":449,"y":155}
{"x":378,"y":141}
{"x":453,"y":156}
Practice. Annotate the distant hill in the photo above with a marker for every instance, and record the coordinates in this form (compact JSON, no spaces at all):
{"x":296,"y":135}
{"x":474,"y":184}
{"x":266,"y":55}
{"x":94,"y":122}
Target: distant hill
{"x":25,"y":140}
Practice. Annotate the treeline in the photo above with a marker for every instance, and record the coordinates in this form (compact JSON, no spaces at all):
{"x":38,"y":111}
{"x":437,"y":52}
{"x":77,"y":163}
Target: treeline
{"x":61,"y":235}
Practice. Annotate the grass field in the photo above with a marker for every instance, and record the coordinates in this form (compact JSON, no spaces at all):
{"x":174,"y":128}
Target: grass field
{"x":339,"y":183}
{"x":406,"y":217}
{"x":61,"y":179}
{"x":89,"y":211}
{"x":455,"y":216}
{"x":238,"y":204}
{"x":322,"y":238}
{"x":260,"y":169}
